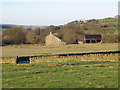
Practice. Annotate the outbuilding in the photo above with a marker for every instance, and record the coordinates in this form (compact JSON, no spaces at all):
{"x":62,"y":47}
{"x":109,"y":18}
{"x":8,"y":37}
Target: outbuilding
{"x":93,"y":38}
{"x":51,"y":39}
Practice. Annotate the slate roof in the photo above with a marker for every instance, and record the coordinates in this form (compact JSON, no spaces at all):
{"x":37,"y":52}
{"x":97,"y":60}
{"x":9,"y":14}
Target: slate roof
{"x":93,"y":36}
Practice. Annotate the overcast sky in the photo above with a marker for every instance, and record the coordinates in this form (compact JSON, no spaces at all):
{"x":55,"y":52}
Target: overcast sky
{"x":55,"y":12}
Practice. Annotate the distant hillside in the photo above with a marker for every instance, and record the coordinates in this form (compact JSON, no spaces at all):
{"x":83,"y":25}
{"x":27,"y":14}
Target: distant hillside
{"x":117,"y":16}
{"x":107,"y":27}
{"x":29,"y":27}
{"x":6,"y":26}
{"x":70,"y":32}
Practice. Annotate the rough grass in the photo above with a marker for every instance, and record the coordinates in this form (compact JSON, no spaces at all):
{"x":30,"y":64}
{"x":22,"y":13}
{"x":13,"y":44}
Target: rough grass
{"x":88,"y":71}
{"x":61,"y":75}
{"x":68,"y":73}
{"x":30,"y":50}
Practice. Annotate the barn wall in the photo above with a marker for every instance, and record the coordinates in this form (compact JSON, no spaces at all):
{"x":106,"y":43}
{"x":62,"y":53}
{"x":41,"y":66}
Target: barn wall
{"x":53,"y":40}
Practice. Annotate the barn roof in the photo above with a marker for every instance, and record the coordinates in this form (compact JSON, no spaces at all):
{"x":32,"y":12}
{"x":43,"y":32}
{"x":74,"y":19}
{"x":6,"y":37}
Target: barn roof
{"x":93,"y":36}
{"x":52,"y":39}
{"x":56,"y":35}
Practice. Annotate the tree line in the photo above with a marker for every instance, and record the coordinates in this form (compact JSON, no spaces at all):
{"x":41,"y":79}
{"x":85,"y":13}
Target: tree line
{"x":19,"y":35}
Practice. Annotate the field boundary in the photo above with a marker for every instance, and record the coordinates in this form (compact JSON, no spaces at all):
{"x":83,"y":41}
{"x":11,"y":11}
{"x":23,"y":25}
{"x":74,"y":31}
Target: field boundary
{"x":74,"y":54}
{"x":83,"y":56}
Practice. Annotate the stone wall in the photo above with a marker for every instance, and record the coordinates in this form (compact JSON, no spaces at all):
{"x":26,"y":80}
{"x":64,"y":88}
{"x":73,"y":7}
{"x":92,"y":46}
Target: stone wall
{"x":8,"y":60}
{"x":91,"y":57}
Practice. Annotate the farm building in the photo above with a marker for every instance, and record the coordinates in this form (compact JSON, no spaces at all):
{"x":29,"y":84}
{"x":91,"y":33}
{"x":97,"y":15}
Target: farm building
{"x":53,"y":40}
{"x":77,"y":42}
{"x":93,"y":39}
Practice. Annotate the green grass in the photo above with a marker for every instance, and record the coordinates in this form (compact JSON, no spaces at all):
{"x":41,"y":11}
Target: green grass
{"x":65,"y":74}
{"x":87,"y":71}
{"x":30,"y":50}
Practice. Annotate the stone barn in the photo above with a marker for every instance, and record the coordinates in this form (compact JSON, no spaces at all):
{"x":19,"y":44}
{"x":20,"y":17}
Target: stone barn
{"x":93,"y":39}
{"x":53,"y":40}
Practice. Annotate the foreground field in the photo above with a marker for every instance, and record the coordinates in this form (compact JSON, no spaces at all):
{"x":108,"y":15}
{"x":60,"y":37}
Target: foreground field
{"x":87,"y":71}
{"x":67,"y":72}
{"x":31,"y":50}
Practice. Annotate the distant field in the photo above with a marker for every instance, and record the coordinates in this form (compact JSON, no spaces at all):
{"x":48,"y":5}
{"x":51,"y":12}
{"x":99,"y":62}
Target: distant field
{"x":30,"y":50}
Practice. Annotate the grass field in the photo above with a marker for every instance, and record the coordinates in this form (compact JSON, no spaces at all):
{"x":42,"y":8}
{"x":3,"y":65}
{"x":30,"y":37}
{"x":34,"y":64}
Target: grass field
{"x":87,"y":71}
{"x":64,"y":74}
{"x":30,"y":50}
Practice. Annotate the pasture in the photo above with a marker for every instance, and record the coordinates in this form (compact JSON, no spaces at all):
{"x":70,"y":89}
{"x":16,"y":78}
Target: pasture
{"x":31,"y":50}
{"x":87,"y":71}
{"x":64,"y":72}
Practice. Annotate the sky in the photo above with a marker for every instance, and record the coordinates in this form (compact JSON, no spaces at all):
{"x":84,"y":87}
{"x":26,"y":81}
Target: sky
{"x":54,"y":12}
